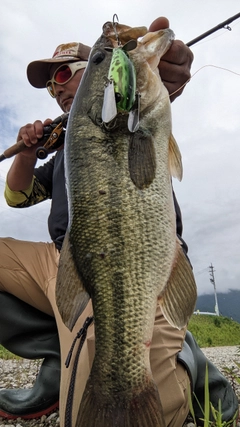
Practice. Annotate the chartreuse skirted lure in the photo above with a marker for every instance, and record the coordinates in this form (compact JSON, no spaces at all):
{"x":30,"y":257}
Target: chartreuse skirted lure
{"x":120,"y":90}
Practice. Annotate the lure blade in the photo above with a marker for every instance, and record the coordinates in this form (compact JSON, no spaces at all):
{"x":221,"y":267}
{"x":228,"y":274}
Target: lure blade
{"x":133,"y":117}
{"x":109,"y":108}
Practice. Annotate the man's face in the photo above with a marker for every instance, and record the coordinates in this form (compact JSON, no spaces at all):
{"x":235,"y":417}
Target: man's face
{"x":65,"y":92}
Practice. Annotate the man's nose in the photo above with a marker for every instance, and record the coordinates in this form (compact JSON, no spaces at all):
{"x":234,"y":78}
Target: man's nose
{"x":58,"y":89}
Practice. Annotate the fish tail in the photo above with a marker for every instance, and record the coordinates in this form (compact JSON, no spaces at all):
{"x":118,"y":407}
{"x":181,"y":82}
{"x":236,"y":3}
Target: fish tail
{"x":142,"y":409}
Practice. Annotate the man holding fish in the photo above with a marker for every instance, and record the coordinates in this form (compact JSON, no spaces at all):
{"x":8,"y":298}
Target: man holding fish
{"x":28,"y":273}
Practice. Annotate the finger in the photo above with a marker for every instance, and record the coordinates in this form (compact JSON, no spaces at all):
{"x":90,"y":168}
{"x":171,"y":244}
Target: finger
{"x":30,"y":133}
{"x":159,"y":24}
{"x":47,"y":122}
{"x":174,"y":77}
{"x":179,"y":54}
{"x":38,"y":126}
{"x":27,"y":134}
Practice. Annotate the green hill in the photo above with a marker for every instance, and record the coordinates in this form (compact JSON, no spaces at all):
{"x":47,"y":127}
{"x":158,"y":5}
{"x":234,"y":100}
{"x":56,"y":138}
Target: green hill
{"x":214,"y":331}
{"x":209,"y":331}
{"x":228,"y":303}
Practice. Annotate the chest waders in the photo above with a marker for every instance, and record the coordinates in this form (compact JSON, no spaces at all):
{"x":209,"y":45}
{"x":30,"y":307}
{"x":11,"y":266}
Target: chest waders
{"x":31,"y":334}
{"x":194,"y":361}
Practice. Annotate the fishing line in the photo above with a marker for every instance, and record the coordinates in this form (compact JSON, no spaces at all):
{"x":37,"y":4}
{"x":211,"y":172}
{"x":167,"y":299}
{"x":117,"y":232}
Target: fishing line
{"x":222,"y":25}
{"x":18,"y":212}
{"x":201,"y":68}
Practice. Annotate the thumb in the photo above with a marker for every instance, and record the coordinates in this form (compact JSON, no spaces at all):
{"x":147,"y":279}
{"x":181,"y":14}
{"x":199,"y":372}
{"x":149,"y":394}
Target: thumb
{"x":159,"y":24}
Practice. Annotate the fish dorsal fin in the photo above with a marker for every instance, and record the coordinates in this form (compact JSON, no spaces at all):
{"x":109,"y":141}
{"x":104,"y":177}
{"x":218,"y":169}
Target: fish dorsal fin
{"x":142,"y":158}
{"x":71,"y":296}
{"x":175,"y":159}
{"x":179,"y":296}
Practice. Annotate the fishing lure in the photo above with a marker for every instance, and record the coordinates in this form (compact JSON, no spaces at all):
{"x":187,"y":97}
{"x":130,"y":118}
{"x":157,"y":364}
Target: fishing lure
{"x":120,"y":90}
{"x":120,"y":93}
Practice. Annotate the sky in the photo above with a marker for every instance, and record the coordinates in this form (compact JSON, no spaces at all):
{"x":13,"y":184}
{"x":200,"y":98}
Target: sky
{"x":206,"y":117}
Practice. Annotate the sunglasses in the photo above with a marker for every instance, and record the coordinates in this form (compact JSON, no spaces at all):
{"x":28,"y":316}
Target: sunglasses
{"x":63,"y":74}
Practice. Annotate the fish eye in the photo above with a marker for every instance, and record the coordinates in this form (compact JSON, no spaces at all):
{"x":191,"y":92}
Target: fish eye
{"x":98,"y":57}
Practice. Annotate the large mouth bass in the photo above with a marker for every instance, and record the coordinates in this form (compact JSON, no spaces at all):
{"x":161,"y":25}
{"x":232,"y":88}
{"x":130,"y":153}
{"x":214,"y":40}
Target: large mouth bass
{"x":121,"y":248}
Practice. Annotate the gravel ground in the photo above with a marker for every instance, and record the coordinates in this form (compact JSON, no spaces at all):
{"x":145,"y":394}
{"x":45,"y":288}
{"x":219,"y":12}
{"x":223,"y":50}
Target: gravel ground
{"x":22,"y":373}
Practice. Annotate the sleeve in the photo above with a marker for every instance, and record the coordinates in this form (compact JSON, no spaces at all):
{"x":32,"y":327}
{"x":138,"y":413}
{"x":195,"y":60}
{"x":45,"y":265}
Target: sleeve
{"x":39,"y":190}
{"x":36,"y":193}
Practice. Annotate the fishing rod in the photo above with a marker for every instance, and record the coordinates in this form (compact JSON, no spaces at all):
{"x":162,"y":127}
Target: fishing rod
{"x":218,"y":27}
{"x":53,"y":138}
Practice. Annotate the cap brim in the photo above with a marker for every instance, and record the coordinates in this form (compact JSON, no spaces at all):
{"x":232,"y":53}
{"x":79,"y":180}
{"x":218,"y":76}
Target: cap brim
{"x":38,"y":71}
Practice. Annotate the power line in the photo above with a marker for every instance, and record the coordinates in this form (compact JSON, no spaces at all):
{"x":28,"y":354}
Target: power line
{"x":22,"y":211}
{"x":19,"y":211}
{"x":201,"y":271}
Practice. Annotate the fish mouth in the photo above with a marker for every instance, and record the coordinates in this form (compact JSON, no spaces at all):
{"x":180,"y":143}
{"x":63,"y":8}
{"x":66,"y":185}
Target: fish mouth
{"x":159,"y":43}
{"x":165,"y":39}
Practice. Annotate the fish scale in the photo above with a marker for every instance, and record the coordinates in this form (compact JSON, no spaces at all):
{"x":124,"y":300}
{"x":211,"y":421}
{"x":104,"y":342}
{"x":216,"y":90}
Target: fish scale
{"x":121,"y":248}
{"x":121,"y":269}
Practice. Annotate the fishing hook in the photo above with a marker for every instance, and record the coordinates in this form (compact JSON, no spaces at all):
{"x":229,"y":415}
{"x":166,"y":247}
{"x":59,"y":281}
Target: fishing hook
{"x":114,"y":24}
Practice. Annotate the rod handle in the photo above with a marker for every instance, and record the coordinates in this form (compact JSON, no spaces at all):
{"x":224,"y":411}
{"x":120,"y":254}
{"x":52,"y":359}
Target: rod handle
{"x":13,"y":150}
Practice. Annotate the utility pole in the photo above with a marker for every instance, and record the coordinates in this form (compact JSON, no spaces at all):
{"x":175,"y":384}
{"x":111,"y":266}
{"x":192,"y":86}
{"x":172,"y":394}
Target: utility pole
{"x":212,"y":280}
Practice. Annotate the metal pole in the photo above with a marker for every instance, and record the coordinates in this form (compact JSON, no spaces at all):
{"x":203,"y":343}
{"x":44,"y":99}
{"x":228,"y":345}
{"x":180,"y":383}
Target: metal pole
{"x":212,"y":280}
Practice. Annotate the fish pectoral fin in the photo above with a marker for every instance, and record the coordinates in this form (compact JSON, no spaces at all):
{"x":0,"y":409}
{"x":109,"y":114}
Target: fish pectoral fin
{"x":142,"y":159}
{"x":179,"y":296}
{"x":138,"y":407}
{"x":175,"y":159}
{"x":71,"y":297}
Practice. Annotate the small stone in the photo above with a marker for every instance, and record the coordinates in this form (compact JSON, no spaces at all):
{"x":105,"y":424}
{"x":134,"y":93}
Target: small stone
{"x":53,"y":415}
